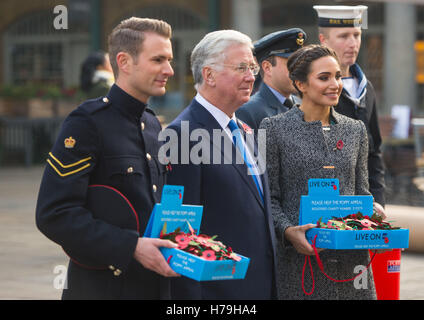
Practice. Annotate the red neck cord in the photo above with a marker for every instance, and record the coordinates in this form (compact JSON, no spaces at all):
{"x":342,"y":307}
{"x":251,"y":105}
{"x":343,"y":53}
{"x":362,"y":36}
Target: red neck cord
{"x":321,"y":267}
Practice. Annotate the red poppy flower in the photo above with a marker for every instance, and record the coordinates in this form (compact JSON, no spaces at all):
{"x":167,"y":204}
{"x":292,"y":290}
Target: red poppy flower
{"x":339,"y":145}
{"x":209,"y":255}
{"x":182,"y":240}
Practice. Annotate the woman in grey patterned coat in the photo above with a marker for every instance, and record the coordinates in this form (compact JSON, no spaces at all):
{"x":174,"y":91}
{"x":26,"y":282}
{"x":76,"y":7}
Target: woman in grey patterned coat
{"x":301,"y":144}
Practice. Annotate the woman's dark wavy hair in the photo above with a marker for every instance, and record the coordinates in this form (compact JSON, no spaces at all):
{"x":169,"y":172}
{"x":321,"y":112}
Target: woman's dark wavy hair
{"x":88,"y":68}
{"x":299,"y":63}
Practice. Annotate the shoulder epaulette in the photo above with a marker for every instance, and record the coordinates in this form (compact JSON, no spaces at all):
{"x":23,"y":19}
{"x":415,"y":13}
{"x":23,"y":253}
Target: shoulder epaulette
{"x":94,"y":105}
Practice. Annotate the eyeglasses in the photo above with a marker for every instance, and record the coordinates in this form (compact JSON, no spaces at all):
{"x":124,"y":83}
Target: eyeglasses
{"x":243,"y":67}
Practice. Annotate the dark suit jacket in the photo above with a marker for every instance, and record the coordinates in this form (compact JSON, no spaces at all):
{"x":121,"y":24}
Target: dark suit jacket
{"x":262,"y":104}
{"x":232,"y":210}
{"x":367,"y":112}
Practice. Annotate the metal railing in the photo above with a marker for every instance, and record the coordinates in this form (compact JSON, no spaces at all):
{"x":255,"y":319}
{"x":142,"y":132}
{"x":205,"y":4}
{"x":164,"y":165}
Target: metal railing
{"x":29,"y":137}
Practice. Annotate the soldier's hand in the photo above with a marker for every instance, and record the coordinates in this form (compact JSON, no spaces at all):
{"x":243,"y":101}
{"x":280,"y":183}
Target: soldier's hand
{"x":148,"y":254}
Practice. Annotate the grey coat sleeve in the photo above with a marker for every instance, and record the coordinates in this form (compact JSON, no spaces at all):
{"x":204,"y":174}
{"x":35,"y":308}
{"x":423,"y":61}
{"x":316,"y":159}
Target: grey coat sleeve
{"x":273,"y":161}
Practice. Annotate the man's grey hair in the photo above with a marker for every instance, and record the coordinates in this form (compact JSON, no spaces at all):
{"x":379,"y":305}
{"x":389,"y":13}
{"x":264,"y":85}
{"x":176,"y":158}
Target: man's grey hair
{"x":211,"y":50}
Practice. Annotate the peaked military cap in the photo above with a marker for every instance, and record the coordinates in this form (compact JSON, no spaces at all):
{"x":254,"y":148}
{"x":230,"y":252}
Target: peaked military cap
{"x":340,"y":16}
{"x":280,"y":43}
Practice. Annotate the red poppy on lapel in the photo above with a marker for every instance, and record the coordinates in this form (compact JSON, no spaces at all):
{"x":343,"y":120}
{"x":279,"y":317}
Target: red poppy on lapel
{"x":168,"y":166}
{"x":246,"y":128}
{"x":339,"y":145}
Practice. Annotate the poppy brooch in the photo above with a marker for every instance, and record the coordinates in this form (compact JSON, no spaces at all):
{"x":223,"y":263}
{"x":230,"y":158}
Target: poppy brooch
{"x":201,"y":245}
{"x":246,"y":128}
{"x":339,"y":145}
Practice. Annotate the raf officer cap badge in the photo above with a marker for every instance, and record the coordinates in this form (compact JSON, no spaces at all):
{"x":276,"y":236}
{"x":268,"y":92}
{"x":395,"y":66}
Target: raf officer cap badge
{"x":300,"y":39}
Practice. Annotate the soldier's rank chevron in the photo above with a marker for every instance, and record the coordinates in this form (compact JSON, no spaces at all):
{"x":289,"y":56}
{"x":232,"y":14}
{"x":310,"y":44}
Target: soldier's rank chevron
{"x":64,"y":170}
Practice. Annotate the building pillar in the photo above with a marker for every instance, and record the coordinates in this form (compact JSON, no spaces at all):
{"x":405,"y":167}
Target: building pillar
{"x":399,"y":56}
{"x":246,"y":17}
{"x":214,"y":7}
{"x":96,"y":25}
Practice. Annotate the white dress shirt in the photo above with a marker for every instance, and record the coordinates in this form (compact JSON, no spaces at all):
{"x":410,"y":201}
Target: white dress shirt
{"x":223,"y":119}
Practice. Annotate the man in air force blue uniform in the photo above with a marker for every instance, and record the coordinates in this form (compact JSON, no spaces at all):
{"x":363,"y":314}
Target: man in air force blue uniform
{"x":276,"y":92}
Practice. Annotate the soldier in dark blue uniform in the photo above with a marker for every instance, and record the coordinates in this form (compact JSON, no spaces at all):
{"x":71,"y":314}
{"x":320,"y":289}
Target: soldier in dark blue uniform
{"x":112,"y":141}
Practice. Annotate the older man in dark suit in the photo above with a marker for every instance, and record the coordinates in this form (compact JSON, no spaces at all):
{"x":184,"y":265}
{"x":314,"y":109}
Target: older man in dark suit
{"x":235,"y":194}
{"x":275,"y":94}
